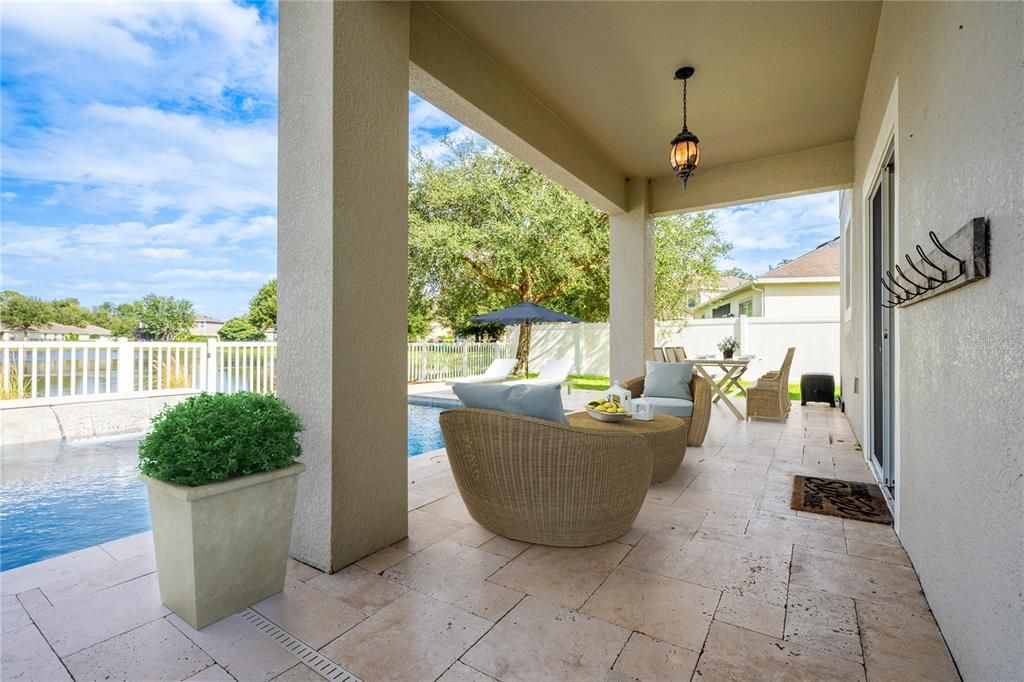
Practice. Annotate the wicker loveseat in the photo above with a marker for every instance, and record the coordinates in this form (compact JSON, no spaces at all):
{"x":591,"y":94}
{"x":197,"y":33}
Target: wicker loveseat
{"x":696,"y":425}
{"x":541,"y":482}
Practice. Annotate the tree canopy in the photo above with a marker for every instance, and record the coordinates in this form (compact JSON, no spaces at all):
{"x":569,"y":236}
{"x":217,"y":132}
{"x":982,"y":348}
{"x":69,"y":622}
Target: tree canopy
{"x":687,"y":249}
{"x":263,"y":307}
{"x":18,"y":311}
{"x":240,"y":329}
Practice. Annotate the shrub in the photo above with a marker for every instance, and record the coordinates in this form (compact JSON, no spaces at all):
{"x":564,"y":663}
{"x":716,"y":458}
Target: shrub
{"x":210,"y":438}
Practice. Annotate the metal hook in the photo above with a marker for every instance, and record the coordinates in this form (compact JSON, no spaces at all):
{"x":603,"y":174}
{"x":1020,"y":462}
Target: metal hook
{"x":917,"y":287}
{"x":943,"y":249}
{"x":928,"y":260}
{"x":906,"y":292}
{"x":932,"y":282}
{"x":899,"y":299}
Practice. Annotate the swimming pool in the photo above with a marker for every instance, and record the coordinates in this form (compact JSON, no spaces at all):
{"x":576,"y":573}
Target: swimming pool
{"x":56,"y":498}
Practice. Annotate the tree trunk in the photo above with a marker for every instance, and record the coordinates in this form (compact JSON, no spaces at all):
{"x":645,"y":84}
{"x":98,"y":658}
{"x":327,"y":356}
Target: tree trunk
{"x":523,"y":349}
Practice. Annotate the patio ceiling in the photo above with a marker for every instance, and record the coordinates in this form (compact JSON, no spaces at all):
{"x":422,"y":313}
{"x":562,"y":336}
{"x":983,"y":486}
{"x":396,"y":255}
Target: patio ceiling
{"x":772,"y":78}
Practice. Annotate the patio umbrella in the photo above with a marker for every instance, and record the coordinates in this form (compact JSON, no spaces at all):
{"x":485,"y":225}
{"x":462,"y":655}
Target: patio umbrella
{"x":524,"y":314}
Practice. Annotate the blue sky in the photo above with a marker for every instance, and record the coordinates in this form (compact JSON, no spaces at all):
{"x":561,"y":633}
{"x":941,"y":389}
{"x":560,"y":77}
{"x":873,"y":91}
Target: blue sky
{"x":139,"y":155}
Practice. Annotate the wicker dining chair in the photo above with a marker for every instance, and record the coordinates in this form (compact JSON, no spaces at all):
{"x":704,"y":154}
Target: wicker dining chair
{"x":769,"y":397}
{"x":541,"y":482}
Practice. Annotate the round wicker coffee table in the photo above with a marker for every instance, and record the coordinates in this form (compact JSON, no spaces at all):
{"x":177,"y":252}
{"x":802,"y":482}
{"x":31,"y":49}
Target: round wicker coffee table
{"x":665,"y":434}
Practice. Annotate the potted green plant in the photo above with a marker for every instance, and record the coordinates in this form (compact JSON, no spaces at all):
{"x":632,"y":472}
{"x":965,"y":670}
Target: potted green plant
{"x":729,"y":345}
{"x":222,"y":478}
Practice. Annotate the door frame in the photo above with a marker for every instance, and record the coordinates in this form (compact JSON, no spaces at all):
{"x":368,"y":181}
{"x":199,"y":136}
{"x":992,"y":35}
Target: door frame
{"x":886,"y":140}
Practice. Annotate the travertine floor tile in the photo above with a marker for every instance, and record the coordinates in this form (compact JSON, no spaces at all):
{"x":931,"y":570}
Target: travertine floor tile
{"x":96,"y":579}
{"x":729,"y":484}
{"x":301,"y":571}
{"x":358,"y":588}
{"x":473,"y":535}
{"x":787,"y":529}
{"x":562,"y":575}
{"x":878,"y":533}
{"x":155,"y":651}
{"x":505,"y":547}
{"x":131,"y":546}
{"x":445,"y":570}
{"x":752,"y":614}
{"x":732,"y":653}
{"x":665,"y":608}
{"x":824,"y":622}
{"x":80,"y":623}
{"x":25,"y":656}
{"x":903,"y":644}
{"x":425,"y":529}
{"x":721,"y":503}
{"x":309,"y":614}
{"x":414,"y":638}
{"x":451,"y":507}
{"x":25,"y":578}
{"x":241,"y":648}
{"x":489,"y":600}
{"x":645,"y":658}
{"x":890,"y":554}
{"x":14,"y":615}
{"x":460,"y":672}
{"x":658,"y":518}
{"x":715,"y":564}
{"x":380,"y":561}
{"x":299,"y":673}
{"x":540,"y":641}
{"x":856,"y":578}
{"x":214,"y":673}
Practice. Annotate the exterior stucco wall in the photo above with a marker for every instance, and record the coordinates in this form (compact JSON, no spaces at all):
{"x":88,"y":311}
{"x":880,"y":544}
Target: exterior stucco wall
{"x":807,"y":299}
{"x":960,"y":423}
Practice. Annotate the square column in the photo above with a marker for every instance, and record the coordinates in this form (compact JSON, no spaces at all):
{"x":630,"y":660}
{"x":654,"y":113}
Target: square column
{"x":342,"y":269}
{"x":632,"y":284}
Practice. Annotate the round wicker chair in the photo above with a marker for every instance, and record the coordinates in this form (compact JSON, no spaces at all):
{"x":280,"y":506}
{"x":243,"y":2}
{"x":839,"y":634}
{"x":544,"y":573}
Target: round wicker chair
{"x":540,"y":482}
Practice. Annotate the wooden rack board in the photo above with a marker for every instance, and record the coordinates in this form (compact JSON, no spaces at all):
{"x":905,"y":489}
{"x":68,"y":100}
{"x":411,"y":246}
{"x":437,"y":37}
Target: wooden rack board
{"x":970,"y":244}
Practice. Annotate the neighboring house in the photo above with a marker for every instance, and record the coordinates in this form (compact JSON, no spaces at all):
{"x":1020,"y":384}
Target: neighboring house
{"x":55,"y":332}
{"x":807,"y":286}
{"x":206,"y":326}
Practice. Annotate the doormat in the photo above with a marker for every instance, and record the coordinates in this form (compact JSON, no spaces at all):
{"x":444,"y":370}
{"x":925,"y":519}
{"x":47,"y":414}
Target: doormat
{"x":845,"y":499}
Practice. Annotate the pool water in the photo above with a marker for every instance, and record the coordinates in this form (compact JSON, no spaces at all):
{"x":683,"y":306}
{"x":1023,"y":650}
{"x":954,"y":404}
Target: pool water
{"x":56,"y":498}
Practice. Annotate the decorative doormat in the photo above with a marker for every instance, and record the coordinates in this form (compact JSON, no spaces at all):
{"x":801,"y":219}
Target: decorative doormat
{"x":845,"y":499}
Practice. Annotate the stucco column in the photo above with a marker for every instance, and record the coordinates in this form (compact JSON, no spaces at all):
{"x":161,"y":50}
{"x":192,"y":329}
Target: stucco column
{"x":342,"y":252}
{"x":632,"y":284}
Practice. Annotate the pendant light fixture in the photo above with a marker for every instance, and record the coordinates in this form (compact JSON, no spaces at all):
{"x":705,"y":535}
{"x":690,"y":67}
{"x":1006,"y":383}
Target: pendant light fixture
{"x":685,"y":155}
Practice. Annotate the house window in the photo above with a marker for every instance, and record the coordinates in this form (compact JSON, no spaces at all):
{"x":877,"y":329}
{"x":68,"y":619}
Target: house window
{"x":747,"y":307}
{"x":721,"y":311}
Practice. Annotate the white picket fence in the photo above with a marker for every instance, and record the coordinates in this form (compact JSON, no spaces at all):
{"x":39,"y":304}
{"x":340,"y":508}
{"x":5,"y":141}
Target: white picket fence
{"x":441,"y":361}
{"x":36,"y":372}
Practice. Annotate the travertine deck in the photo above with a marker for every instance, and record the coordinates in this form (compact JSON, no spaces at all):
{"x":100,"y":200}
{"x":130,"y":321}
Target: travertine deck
{"x":718,"y":579}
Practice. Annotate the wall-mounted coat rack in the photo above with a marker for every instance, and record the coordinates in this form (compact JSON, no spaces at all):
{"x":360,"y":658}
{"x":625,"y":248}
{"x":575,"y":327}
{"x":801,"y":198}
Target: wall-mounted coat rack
{"x":960,"y":259}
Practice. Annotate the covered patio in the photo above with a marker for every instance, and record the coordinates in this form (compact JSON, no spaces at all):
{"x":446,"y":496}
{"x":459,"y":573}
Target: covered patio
{"x":787,"y":98}
{"x":717,"y":579}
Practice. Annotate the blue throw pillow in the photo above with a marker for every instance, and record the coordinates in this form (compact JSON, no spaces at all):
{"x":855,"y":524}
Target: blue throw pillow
{"x":542,"y":402}
{"x":668,"y":380}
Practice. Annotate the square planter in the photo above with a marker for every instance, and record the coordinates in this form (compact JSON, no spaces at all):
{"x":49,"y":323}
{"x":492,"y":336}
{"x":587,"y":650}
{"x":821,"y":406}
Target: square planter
{"x":223,"y":546}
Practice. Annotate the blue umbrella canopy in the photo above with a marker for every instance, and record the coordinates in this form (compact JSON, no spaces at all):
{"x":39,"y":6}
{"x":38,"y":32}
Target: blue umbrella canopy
{"x":522,"y":313}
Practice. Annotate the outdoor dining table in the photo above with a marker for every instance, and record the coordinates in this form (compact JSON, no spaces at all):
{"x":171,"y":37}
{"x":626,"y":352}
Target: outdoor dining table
{"x":733,"y":369}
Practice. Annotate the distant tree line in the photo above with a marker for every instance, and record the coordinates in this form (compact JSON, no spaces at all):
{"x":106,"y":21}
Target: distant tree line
{"x":151,"y":318}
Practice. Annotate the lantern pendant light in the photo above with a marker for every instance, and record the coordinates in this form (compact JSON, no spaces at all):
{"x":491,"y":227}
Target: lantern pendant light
{"x":685,"y":155}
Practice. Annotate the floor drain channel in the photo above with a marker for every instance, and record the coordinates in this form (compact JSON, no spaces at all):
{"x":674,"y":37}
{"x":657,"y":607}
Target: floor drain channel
{"x":313,"y":659}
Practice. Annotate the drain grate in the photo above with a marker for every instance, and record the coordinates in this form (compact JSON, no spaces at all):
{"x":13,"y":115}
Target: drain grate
{"x":320,"y":664}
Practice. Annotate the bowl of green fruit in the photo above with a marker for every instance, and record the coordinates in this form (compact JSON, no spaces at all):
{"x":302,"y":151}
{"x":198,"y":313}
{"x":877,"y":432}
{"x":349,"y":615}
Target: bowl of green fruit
{"x":606,"y":411}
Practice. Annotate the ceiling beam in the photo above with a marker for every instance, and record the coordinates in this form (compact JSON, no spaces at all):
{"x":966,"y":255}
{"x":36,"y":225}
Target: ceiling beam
{"x":453,"y":74}
{"x":811,"y":170}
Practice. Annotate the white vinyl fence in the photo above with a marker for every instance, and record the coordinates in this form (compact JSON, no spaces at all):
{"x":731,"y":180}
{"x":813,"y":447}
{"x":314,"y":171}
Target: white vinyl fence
{"x":816,"y":341}
{"x":441,"y":361}
{"x":67,"y":371}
